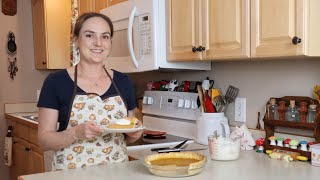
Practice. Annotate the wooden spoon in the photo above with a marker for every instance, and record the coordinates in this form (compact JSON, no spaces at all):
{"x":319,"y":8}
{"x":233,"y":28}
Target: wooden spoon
{"x":200,"y":94}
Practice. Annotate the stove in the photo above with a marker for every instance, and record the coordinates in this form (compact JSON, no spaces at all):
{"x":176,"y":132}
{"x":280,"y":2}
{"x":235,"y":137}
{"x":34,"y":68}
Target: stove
{"x":172,"y":112}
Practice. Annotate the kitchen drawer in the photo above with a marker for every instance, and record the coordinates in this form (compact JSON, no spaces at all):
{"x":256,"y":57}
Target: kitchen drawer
{"x":21,"y":131}
{"x":33,"y":136}
{"x":26,"y":133}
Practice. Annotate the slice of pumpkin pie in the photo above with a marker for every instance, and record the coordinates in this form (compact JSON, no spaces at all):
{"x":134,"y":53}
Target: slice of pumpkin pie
{"x":124,"y":123}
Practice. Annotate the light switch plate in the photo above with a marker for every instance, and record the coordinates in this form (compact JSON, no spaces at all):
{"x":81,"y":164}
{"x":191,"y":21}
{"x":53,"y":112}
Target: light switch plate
{"x":240,"y":110}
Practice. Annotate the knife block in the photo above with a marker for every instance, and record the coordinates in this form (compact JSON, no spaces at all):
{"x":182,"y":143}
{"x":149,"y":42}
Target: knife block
{"x":270,"y":124}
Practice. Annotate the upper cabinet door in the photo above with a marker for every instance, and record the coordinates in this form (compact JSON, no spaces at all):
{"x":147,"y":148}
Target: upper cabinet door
{"x":226,"y":28}
{"x":51,"y":21}
{"x":86,"y":6}
{"x":183,"y":29}
{"x":274,"y":25}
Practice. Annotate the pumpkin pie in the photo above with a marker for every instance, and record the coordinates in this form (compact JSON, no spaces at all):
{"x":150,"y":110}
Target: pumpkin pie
{"x":133,"y":122}
{"x":175,"y":164}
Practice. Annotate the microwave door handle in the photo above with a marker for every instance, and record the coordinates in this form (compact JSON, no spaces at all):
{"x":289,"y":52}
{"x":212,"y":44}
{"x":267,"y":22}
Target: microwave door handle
{"x":130,"y":44}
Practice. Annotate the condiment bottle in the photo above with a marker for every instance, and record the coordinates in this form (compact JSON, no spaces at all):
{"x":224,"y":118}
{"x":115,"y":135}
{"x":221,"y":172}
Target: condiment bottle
{"x":303,"y":112}
{"x":282,"y":110}
{"x":311,"y":113}
{"x":273,"y":109}
{"x":292,"y":113}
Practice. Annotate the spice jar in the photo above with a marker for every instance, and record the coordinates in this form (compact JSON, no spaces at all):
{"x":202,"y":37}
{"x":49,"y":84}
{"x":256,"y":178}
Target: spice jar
{"x":311,"y":117}
{"x":292,"y":113}
{"x":273,"y":109}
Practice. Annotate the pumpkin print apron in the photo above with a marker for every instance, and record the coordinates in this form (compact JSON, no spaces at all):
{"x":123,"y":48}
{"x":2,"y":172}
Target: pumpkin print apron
{"x":105,"y":148}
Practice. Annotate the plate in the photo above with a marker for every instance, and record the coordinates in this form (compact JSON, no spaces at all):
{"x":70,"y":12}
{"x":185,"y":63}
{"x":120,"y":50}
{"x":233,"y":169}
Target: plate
{"x":123,"y":130}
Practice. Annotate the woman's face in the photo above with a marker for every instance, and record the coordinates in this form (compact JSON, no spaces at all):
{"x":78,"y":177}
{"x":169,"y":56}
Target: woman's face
{"x":94,"y":40}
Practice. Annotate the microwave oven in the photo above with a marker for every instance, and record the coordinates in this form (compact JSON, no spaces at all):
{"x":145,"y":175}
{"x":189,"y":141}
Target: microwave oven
{"x":139,"y":40}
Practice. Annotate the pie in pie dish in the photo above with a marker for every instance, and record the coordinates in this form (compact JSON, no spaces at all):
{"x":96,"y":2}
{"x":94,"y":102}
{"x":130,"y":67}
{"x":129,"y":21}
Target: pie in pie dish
{"x":175,"y":164}
{"x":132,"y":121}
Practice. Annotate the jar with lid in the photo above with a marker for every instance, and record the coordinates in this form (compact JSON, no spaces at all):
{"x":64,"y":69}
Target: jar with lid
{"x":311,"y":117}
{"x":292,"y":113}
{"x":273,"y":109}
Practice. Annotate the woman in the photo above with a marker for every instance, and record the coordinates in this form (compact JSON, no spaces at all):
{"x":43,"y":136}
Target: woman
{"x":83,"y":97}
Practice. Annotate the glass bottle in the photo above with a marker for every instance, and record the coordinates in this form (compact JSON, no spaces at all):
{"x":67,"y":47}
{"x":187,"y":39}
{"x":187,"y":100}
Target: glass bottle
{"x":292,"y":113}
{"x":303,"y":112}
{"x":282,"y":110}
{"x":311,"y":113}
{"x":273,"y":109}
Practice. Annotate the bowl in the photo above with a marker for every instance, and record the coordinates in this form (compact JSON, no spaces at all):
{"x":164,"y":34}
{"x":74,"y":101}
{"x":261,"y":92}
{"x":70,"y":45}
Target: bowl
{"x":174,"y":164}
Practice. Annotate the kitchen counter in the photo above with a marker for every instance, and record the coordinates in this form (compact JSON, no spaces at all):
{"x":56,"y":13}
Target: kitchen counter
{"x":250,"y":166}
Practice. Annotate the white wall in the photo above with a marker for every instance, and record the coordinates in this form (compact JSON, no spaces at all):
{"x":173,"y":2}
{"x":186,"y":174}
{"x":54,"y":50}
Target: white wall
{"x":258,"y":80}
{"x":23,"y":87}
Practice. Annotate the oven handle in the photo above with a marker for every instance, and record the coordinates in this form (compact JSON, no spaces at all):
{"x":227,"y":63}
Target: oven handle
{"x":130,"y":44}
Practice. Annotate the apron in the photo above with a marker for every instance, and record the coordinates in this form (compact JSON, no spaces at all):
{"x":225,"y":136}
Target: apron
{"x":104,"y":149}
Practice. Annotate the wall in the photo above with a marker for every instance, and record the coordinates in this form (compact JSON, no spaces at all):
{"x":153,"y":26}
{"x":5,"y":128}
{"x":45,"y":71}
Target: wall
{"x":258,"y":80}
{"x":23,"y":87}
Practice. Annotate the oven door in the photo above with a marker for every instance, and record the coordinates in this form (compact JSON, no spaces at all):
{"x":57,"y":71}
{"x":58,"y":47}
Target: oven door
{"x":172,"y":126}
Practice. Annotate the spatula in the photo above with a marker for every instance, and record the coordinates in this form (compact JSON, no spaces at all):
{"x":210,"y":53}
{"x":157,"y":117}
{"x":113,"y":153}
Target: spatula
{"x":231,"y":94}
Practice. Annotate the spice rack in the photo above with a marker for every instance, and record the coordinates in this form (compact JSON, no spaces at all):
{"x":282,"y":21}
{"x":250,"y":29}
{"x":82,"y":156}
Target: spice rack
{"x":270,"y":124}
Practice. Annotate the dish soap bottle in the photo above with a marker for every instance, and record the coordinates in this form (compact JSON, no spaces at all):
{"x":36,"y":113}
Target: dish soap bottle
{"x":273,"y":109}
{"x":292,"y":113}
{"x":311,"y":113}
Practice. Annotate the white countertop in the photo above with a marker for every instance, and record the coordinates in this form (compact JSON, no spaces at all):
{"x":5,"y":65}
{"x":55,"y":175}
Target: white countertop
{"x":250,"y":166}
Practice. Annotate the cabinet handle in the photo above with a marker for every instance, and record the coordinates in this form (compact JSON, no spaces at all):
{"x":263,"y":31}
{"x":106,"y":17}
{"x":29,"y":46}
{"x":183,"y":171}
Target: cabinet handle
{"x":296,"y":40}
{"x":27,"y":149}
{"x":44,"y":63}
{"x":201,"y":48}
{"x":194,"y":49}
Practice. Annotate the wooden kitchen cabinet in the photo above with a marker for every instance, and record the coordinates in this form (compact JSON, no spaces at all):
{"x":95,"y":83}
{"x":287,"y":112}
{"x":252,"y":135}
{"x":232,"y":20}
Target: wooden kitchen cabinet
{"x":95,"y":5}
{"x":27,"y":157}
{"x":206,"y":30}
{"x":51,"y":33}
{"x":277,"y":27}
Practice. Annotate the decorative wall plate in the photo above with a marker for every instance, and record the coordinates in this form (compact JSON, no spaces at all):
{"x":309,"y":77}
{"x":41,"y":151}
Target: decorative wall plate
{"x":12,"y":51}
{"x":9,"y":7}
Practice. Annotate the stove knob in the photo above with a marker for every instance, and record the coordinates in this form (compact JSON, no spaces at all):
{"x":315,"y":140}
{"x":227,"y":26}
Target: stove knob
{"x":150,"y":100}
{"x":187,"y":103}
{"x":194,"y":105}
{"x":180,"y":103}
{"x":145,"y":100}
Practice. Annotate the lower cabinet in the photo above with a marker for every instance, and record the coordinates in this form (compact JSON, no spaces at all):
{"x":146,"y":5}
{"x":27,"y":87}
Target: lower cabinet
{"x":27,"y":157}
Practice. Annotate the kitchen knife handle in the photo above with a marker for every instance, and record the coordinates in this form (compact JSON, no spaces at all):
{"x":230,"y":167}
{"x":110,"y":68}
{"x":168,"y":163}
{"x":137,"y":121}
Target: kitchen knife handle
{"x":159,"y":149}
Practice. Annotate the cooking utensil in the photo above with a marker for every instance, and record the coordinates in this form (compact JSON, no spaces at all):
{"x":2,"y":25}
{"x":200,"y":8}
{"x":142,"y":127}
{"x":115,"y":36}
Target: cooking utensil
{"x":208,"y":104}
{"x":176,"y":147}
{"x":231,"y":94}
{"x":258,"y":123}
{"x":200,"y":93}
{"x":218,"y":103}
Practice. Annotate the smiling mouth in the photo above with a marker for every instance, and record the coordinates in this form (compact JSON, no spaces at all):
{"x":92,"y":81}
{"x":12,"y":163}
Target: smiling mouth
{"x":97,"y":50}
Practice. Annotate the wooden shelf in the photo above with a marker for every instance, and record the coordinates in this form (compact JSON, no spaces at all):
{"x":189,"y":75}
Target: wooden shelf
{"x":299,"y":125}
{"x":270,"y":124}
{"x":302,"y":153}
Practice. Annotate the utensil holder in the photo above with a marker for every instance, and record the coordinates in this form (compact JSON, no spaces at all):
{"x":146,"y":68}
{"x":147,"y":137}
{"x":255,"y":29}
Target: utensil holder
{"x":207,"y":123}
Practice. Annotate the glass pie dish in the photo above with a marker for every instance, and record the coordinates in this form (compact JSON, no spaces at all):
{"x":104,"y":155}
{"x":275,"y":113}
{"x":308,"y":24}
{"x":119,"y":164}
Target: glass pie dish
{"x":175,"y":164}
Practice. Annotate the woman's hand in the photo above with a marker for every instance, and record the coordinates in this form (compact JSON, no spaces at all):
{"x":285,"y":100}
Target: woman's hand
{"x":87,"y":131}
{"x":133,"y":136}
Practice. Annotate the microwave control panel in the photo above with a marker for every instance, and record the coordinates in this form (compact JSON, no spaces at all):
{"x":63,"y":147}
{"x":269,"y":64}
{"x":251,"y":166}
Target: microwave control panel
{"x":145,"y":34}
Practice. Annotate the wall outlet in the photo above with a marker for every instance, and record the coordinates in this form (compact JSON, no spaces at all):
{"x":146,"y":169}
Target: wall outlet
{"x":240,"y":110}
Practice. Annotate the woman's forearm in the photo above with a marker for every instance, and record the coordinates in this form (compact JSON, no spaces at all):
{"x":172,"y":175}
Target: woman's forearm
{"x":56,"y":140}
